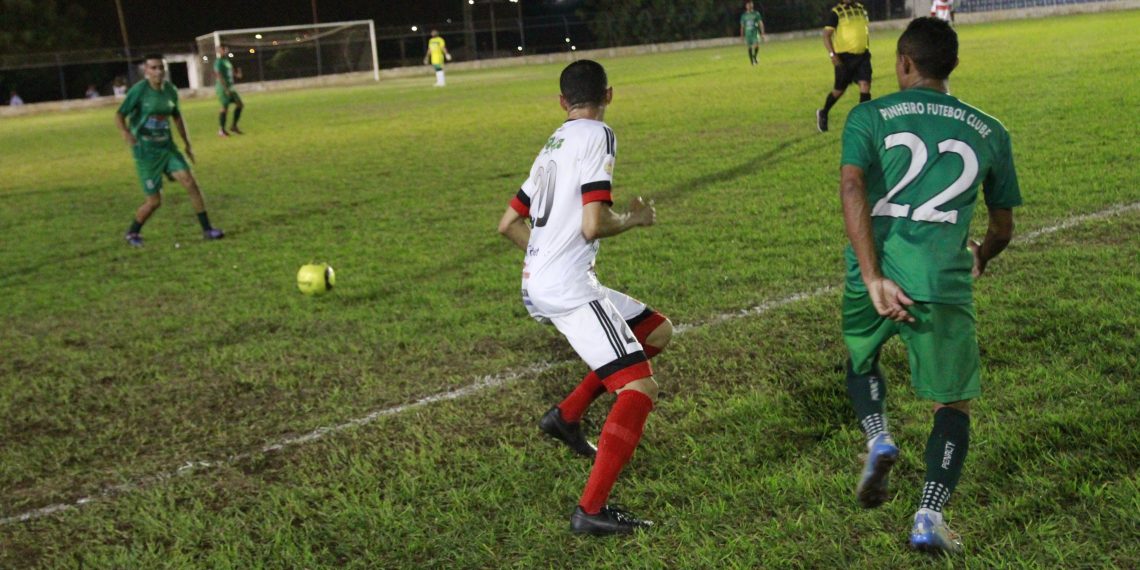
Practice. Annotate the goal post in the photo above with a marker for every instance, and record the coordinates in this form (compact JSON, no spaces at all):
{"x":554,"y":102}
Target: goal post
{"x":291,"y":52}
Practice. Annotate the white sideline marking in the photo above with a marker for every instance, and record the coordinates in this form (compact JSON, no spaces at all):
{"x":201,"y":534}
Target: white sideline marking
{"x":489,"y":381}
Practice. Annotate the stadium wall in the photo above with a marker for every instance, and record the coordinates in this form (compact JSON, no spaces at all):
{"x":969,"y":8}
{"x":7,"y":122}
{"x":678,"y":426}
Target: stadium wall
{"x":424,"y":71}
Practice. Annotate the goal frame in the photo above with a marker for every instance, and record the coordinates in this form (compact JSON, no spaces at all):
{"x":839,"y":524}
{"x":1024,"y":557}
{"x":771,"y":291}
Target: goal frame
{"x":216,"y":35}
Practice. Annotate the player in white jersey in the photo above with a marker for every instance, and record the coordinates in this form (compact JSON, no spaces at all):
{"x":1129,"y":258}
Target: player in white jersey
{"x":943,"y":10}
{"x":567,"y":202}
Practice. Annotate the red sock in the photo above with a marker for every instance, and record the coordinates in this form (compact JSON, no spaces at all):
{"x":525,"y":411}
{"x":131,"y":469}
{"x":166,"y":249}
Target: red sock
{"x":650,"y":351}
{"x":620,"y":435}
{"x":576,"y":403}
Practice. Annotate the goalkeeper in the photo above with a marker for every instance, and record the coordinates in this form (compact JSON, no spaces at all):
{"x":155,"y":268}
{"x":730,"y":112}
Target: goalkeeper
{"x":436,"y":55}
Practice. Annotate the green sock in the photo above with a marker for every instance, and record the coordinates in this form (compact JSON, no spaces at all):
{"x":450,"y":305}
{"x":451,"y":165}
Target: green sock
{"x":237,"y":116}
{"x":136,"y":227}
{"x":945,"y":454}
{"x":222,"y":120}
{"x":204,"y":220}
{"x":868,"y":393}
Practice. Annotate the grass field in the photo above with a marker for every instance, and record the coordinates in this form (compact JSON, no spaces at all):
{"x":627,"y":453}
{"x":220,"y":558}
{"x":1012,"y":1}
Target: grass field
{"x":174,"y":387}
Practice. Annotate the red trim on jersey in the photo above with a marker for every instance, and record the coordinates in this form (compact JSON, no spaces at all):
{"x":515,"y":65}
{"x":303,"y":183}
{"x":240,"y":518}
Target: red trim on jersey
{"x":597,"y":196}
{"x":519,"y":207}
{"x":648,"y":325}
{"x":630,"y":373}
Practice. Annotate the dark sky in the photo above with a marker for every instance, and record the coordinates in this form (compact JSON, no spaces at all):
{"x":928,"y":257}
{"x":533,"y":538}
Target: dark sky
{"x":157,"y":22}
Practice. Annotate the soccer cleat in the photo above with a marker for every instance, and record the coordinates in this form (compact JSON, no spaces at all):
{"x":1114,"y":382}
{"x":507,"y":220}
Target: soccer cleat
{"x":134,"y":240}
{"x":222,"y":133}
{"x":569,"y":433}
{"x":610,"y":520}
{"x":213,"y":233}
{"x":932,"y":536}
{"x":235,"y":130}
{"x":821,"y":120}
{"x":872,"y":489}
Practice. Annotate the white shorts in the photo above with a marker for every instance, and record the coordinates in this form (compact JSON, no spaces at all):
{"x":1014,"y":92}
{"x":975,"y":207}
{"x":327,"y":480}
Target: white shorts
{"x":627,"y":306}
{"x":599,"y":334}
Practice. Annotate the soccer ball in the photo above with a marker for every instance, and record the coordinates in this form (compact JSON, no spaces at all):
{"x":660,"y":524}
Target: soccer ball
{"x":315,"y":278}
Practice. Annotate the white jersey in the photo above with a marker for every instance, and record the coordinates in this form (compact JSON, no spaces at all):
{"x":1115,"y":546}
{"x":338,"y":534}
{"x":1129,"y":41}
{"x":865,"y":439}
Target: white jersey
{"x":574,"y":168}
{"x":941,"y":9}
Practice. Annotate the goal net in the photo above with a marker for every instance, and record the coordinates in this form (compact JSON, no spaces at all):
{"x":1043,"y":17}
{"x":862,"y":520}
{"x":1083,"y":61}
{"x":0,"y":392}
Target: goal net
{"x":290,"y":52}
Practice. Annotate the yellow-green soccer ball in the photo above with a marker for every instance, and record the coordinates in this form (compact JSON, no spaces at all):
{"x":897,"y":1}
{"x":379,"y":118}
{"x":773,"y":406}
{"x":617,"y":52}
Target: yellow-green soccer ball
{"x":316,"y":278}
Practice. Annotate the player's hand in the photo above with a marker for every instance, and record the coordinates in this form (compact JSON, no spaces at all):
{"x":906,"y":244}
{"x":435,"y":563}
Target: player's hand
{"x":131,"y":140}
{"x":835,"y":60}
{"x":889,"y":300}
{"x":447,"y":56}
{"x":979,"y":266}
{"x":425,"y":61}
{"x":642,"y":213}
{"x":190,"y":154}
{"x":765,"y":36}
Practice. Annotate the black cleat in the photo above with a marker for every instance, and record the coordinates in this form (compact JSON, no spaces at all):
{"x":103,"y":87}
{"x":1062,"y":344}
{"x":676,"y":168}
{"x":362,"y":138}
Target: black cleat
{"x":821,"y":120}
{"x":569,"y":433}
{"x":610,"y":520}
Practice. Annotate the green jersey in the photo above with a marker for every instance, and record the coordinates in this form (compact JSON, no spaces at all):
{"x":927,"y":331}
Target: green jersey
{"x":225,"y":71}
{"x":148,"y":111}
{"x":924,"y":154}
{"x":750,"y":23}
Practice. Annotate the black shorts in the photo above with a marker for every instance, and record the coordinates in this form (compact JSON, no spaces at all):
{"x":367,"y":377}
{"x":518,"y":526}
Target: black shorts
{"x":852,"y":68}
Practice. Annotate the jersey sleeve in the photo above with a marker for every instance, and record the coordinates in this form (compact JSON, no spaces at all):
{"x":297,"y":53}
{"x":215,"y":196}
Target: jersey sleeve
{"x":130,"y":102}
{"x":597,"y":168}
{"x":831,"y":20}
{"x":521,"y":202}
{"x":1000,"y":186}
{"x":176,"y":110}
{"x":859,"y":138}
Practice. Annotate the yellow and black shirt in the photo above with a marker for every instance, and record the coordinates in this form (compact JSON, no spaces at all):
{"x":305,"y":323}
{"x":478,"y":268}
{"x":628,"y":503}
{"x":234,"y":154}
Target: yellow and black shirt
{"x":850,"y":24}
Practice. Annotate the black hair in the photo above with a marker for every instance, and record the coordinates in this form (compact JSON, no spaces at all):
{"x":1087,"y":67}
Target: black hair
{"x":584,"y":82}
{"x":151,"y":56}
{"x":932,"y":45}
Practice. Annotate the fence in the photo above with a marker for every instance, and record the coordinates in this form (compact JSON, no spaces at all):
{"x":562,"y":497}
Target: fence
{"x":507,"y":33}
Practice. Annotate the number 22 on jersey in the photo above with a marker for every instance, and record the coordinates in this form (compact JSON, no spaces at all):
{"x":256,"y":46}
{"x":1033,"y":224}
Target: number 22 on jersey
{"x":927,"y":211}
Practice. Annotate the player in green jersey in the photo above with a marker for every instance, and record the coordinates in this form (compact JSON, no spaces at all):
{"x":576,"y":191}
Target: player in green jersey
{"x":911,"y":170}
{"x":751,"y":29}
{"x":144,"y":120}
{"x":227,"y":95}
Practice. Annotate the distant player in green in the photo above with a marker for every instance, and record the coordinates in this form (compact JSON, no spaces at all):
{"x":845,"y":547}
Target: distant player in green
{"x":436,"y":54}
{"x":227,"y":95}
{"x":751,"y":29}
{"x":912,"y":166}
{"x":144,"y":120}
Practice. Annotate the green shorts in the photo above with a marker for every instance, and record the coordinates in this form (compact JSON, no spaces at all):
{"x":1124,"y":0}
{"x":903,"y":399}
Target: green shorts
{"x":227,"y":100}
{"x":751,"y":39}
{"x":941,"y":345}
{"x":152,"y":162}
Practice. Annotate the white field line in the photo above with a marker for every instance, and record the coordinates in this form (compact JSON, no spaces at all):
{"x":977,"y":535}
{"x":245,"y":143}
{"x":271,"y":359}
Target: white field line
{"x":485,"y":382}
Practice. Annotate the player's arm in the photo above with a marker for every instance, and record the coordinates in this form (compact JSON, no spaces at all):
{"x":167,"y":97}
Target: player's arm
{"x":121,"y":122}
{"x":181,"y":126}
{"x":827,"y":33}
{"x":763,"y":33}
{"x":220,"y":79}
{"x":829,"y":24}
{"x":513,"y":226}
{"x":599,"y":220}
{"x":998,"y":235}
{"x":887,"y":296}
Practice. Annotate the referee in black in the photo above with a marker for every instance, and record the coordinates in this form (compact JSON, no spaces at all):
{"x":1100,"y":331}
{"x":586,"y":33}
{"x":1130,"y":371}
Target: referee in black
{"x":846,"y":37}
